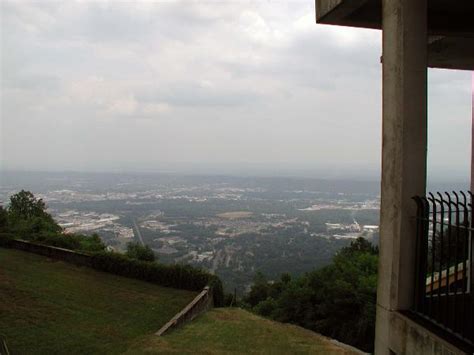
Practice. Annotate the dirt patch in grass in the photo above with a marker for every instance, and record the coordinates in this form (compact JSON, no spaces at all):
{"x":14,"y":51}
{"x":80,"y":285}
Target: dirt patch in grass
{"x":223,"y":316}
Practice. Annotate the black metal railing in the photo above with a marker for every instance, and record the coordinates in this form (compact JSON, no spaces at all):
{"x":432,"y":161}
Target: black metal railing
{"x":443,"y":288}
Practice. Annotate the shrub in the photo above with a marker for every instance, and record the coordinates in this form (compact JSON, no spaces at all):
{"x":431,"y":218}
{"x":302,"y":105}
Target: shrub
{"x":91,"y":243}
{"x":70,"y":242}
{"x":178,"y":276}
{"x":76,"y":242}
{"x":266,"y":307}
{"x":140,"y":252}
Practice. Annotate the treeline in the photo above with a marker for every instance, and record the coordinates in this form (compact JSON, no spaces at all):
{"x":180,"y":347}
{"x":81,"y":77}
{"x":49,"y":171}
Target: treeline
{"x":26,"y":218}
{"x":337,"y":300}
{"x":178,"y":276}
{"x":282,"y":251}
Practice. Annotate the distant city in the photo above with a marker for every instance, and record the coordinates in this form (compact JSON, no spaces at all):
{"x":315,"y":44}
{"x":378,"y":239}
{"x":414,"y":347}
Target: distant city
{"x":232,"y":226}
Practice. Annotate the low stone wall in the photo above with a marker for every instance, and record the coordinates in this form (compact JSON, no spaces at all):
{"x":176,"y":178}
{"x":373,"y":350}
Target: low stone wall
{"x":69,"y":256}
{"x":200,"y":304}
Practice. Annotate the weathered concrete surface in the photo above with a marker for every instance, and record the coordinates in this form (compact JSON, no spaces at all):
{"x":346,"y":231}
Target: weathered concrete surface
{"x":410,"y":338}
{"x":404,"y":145}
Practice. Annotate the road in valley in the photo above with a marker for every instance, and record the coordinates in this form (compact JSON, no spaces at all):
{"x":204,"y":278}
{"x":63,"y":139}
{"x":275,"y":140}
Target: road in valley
{"x":138,"y":232}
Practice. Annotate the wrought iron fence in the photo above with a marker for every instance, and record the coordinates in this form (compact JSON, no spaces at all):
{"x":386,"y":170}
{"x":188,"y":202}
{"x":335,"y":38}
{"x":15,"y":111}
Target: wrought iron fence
{"x":443,"y":288}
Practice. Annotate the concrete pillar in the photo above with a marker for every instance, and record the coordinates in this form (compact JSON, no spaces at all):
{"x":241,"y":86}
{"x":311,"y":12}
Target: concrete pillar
{"x":404,"y":145}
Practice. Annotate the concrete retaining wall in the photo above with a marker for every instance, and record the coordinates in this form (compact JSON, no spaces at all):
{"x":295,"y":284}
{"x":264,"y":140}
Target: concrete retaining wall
{"x":69,"y":256}
{"x":200,"y":304}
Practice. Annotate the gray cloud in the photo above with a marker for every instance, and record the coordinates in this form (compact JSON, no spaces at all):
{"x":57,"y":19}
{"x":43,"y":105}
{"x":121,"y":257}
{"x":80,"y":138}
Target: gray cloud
{"x":105,"y":85}
{"x":203,"y":94}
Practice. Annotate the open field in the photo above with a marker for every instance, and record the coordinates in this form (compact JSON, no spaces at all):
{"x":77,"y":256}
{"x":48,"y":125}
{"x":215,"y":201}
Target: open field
{"x":235,"y":331}
{"x":235,"y":215}
{"x":51,"y":307}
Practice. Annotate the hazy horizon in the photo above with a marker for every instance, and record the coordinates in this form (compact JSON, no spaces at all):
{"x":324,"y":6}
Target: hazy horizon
{"x":253,"y":88}
{"x":438,"y":182}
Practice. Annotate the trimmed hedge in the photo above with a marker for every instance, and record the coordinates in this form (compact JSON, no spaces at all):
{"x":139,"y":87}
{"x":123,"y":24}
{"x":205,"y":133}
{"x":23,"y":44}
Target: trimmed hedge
{"x":176,"y":276}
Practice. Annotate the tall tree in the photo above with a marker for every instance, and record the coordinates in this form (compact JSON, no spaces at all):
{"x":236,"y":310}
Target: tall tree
{"x":27,"y":214}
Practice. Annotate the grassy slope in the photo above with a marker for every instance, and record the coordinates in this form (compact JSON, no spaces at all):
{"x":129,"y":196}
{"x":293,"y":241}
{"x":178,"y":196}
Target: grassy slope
{"x":52,"y":307}
{"x":235,"y":331}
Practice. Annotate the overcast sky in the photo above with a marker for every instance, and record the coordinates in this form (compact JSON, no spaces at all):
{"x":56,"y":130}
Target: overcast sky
{"x":226,"y":86}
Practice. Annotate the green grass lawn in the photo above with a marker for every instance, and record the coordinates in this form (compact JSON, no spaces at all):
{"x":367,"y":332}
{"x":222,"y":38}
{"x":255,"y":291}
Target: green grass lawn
{"x":235,"y":331}
{"x":52,"y":307}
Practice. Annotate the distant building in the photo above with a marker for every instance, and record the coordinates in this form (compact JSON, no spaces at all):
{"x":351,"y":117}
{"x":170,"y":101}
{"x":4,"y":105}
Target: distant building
{"x":331,"y":226}
{"x":369,"y":228}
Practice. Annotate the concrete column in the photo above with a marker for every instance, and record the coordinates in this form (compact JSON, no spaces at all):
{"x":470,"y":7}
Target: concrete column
{"x":404,"y":145}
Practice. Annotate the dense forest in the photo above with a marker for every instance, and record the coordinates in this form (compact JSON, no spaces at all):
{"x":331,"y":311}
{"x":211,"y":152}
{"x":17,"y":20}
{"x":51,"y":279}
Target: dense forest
{"x":337,"y":300}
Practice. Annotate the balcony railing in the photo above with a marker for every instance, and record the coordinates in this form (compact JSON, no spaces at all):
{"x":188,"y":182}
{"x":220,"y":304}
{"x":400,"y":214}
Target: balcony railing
{"x":443,"y":288}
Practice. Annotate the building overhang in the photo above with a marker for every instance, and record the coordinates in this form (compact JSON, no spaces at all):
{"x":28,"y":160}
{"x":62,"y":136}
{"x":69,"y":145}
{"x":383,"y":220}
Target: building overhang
{"x":450,"y":26}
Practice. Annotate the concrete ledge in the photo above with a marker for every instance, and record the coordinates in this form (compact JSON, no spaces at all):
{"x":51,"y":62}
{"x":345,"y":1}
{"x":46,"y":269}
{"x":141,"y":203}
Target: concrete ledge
{"x":198,"y":305}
